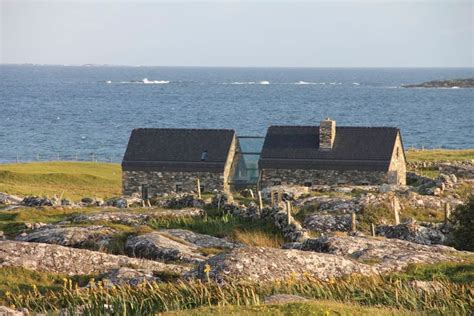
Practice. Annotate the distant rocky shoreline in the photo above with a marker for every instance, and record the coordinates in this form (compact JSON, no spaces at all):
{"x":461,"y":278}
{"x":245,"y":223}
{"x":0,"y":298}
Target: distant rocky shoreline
{"x":452,"y":83}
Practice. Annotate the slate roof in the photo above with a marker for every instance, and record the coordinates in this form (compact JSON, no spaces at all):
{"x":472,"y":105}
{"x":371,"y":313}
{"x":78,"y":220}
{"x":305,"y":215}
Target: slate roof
{"x":354,"y":148}
{"x":175,"y":149}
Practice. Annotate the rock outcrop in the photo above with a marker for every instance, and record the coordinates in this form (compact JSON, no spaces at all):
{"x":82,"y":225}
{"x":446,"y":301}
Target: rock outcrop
{"x":85,"y":236}
{"x":452,"y":83}
{"x":130,"y":276}
{"x":385,"y":254}
{"x":71,"y":261}
{"x":413,"y":232}
{"x":261,"y":264}
{"x":328,"y":222}
{"x":173,"y":245}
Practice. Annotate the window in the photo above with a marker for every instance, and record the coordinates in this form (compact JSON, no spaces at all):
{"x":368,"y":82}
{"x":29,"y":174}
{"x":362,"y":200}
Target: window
{"x":204,"y":155}
{"x":179,"y":187}
{"x":308,"y":184}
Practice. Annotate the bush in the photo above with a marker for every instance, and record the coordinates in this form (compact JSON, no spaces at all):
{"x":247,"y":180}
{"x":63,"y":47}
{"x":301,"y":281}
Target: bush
{"x":463,"y":220}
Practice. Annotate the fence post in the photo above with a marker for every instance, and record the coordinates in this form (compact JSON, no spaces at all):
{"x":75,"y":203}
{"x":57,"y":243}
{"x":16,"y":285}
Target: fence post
{"x":260,"y":203}
{"x":198,"y":183}
{"x":37,"y":157}
{"x":16,"y":158}
{"x":396,"y":209}
{"x":93,"y":157}
{"x":372,"y":228}
{"x":447,"y":213}
{"x":288,"y":211}
{"x":353,"y":222}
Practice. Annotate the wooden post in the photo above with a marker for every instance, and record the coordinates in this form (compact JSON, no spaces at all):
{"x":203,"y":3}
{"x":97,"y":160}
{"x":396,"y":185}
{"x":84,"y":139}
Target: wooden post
{"x":447,"y":213}
{"x":353,"y":222}
{"x":288,"y":211}
{"x":372,"y":228}
{"x":37,"y":157}
{"x":251,"y":194}
{"x":396,"y":209}
{"x":280,"y":196}
{"x":148,"y":203}
{"x":198,"y":183}
{"x":16,"y":158}
{"x":272,"y":195}
{"x":260,"y":203}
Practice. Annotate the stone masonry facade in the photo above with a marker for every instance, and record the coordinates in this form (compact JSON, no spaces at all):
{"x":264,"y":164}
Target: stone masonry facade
{"x":306,"y":177}
{"x":158,"y":182}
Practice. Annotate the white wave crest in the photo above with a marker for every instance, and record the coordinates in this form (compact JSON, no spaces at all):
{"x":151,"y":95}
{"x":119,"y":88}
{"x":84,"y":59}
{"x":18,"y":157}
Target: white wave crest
{"x":146,"y":81}
{"x":356,"y":84}
{"x":264,"y":82}
{"x":307,"y":82}
{"x":244,"y":82}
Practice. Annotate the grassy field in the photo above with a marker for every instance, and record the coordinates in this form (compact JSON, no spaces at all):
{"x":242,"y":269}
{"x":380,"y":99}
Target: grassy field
{"x":75,"y":180}
{"x":381,"y":295}
{"x":439,"y":154}
{"x":72,"y":180}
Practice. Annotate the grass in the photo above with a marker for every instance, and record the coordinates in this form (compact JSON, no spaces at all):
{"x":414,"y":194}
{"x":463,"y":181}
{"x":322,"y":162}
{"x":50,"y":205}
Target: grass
{"x":251,"y":232}
{"x":439,"y":154}
{"x":73,"y":180}
{"x":314,"y":307}
{"x":377,"y":291}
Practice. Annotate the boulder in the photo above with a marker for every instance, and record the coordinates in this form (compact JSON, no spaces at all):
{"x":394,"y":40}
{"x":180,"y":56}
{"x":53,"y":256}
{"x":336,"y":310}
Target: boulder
{"x":35,"y":201}
{"x":127,"y":218}
{"x":9,"y":199}
{"x":259,"y":264}
{"x":328,"y":222}
{"x":199,"y":240}
{"x":412,"y":232}
{"x":384,"y":254}
{"x":130,"y":276}
{"x":71,"y":261}
{"x":289,"y":192}
{"x":6,"y":311}
{"x":86,"y":236}
{"x":159,"y":246}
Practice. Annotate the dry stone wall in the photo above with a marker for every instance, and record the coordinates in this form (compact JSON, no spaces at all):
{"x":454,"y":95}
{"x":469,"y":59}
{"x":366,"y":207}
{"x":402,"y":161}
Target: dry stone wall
{"x":321,"y":177}
{"x":166,"y":182}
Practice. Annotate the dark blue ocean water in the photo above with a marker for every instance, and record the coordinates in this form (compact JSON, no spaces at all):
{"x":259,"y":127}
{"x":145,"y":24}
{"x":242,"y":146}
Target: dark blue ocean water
{"x":68,"y":111}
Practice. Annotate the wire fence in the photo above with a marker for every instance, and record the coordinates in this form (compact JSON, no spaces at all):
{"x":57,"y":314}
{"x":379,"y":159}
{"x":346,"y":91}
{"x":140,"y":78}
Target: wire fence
{"x":48,"y":157}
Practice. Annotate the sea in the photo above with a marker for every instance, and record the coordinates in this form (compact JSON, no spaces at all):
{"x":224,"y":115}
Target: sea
{"x":87,"y":112}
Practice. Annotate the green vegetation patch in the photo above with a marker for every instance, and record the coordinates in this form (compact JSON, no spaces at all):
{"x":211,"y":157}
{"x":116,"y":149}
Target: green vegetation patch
{"x":226,"y":226}
{"x":439,"y":154}
{"x":72,"y":180}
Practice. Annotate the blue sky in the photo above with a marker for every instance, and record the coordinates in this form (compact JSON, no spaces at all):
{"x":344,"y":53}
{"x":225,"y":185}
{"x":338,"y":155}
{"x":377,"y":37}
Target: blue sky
{"x":263,"y":34}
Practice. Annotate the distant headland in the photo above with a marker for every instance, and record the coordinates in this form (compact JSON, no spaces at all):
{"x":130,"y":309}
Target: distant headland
{"x":452,"y":83}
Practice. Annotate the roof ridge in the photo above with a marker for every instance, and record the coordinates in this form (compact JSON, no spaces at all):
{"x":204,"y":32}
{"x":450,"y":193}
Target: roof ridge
{"x":337,"y":126}
{"x":184,"y":129}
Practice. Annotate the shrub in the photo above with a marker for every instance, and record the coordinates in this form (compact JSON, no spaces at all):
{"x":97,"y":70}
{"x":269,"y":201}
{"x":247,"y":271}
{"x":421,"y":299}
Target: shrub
{"x":463,"y":220}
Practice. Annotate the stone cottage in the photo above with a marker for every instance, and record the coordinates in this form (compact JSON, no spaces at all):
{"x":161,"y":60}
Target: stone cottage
{"x":326,"y":154}
{"x":166,"y":160}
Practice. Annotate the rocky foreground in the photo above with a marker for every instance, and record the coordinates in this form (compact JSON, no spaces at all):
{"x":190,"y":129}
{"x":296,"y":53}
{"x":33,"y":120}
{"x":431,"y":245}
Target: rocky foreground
{"x":320,"y":240}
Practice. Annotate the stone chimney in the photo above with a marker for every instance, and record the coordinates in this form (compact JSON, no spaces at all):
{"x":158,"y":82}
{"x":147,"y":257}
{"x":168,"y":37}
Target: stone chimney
{"x":327,"y":134}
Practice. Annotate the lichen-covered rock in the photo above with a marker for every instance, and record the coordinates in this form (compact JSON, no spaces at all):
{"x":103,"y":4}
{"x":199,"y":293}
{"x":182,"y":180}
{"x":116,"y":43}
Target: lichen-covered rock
{"x":199,"y":240}
{"x":261,"y":264}
{"x":84,"y":236}
{"x":412,"y":232}
{"x":71,"y":261}
{"x":6,"y":311}
{"x":385,"y":254}
{"x":158,"y":246}
{"x":9,"y":199}
{"x":127,"y":218}
{"x":289,"y":192}
{"x":113,"y":217}
{"x":130,"y":276}
{"x":327,"y":222}
{"x":34,"y":201}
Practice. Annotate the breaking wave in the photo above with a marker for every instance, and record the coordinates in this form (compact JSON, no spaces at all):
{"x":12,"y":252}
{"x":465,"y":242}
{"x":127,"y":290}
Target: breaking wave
{"x":143,"y":81}
{"x":250,"y":82}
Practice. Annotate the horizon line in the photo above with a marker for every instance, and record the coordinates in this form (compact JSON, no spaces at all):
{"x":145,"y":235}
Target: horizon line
{"x":193,"y":66}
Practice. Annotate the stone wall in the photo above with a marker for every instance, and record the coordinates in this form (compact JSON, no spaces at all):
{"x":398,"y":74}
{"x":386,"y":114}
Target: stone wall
{"x":231,"y":164}
{"x":318,"y":177}
{"x":397,"y":168}
{"x":165,"y":182}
